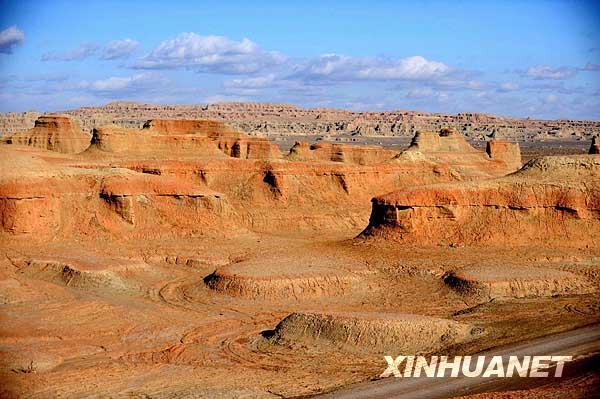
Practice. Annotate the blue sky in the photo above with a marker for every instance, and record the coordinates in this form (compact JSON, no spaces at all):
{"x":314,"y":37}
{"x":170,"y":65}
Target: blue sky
{"x":531,"y":58}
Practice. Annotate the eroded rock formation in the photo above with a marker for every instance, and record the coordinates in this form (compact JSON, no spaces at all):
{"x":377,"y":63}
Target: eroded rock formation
{"x":360,"y":155}
{"x":505,"y":151}
{"x":54,"y":133}
{"x":285,"y":119}
{"x":164,"y":138}
{"x":550,"y":201}
{"x":398,"y":333}
{"x":184,"y":258}
{"x":54,"y":200}
{"x":595,"y":147}
{"x":490,"y":282}
{"x":444,"y":146}
{"x":140,"y":172}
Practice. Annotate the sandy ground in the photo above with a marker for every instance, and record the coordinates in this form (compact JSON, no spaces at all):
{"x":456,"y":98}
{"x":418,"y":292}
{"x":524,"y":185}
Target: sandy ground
{"x":159,"y":330}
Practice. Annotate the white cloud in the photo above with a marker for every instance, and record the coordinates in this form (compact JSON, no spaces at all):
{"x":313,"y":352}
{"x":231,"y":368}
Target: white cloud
{"x":82,"y":52}
{"x":330,"y":66}
{"x":209,"y":54}
{"x":508,"y":86}
{"x":259,"y":82}
{"x":458,"y":83}
{"x":10,"y":38}
{"x":339,"y":67}
{"x":111,"y":51}
{"x":117,"y":84}
{"x":415,"y":67}
{"x":119,"y":49}
{"x":546,"y":72}
{"x":421,"y":94}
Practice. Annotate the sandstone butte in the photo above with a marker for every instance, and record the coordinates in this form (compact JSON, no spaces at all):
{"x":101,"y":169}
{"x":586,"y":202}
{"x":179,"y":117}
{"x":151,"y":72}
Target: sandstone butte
{"x":184,"y":258}
{"x":551,"y":200}
{"x":55,"y":133}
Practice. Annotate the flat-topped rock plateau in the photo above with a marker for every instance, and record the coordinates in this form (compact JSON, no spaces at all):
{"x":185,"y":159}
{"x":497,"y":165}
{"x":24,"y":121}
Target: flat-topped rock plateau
{"x":280,"y":120}
{"x":148,"y":255}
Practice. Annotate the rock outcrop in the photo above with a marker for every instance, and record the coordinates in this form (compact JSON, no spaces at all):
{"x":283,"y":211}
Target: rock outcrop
{"x":450,"y":148}
{"x":165,"y":138}
{"x":52,"y":200}
{"x":345,"y":153}
{"x":54,"y":133}
{"x":505,"y":151}
{"x":595,"y":147}
{"x":550,"y":201}
{"x":137,"y":174}
{"x":447,"y":140}
{"x":285,"y":119}
{"x":489,"y":282}
{"x":371,"y":332}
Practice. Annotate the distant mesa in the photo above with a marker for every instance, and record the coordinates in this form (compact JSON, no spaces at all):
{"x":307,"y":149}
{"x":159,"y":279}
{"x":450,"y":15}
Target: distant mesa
{"x":287,"y":120}
{"x":447,"y":140}
{"x":346,"y":153}
{"x":164,"y":138}
{"x":54,"y":133}
{"x":450,"y":148}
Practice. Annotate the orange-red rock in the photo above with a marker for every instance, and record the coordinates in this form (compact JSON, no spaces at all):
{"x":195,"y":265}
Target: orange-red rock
{"x":54,"y":133}
{"x":166,"y":138}
{"x":355,"y":154}
{"x":450,"y":149}
{"x":505,"y":151}
{"x":550,"y":201}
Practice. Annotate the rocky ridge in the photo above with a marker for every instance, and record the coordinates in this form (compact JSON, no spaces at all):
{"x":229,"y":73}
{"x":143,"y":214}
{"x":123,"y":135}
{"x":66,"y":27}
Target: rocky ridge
{"x":285,"y":119}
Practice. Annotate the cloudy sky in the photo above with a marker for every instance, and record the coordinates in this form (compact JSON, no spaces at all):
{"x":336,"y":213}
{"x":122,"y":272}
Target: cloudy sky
{"x":532,"y":58}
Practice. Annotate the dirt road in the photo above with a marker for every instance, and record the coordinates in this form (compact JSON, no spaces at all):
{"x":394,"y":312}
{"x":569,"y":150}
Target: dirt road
{"x":577,"y":343}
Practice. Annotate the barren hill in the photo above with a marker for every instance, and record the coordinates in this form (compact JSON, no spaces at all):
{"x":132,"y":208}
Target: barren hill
{"x":285,"y":119}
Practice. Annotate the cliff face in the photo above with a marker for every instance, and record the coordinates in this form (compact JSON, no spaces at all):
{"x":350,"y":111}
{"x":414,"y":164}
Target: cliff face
{"x":550,"y":201}
{"x":188,"y":174}
{"x":360,"y":155}
{"x":54,"y":133}
{"x":283,"y":119}
{"x":165,"y":138}
{"x":50,"y":199}
{"x":504,"y":151}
